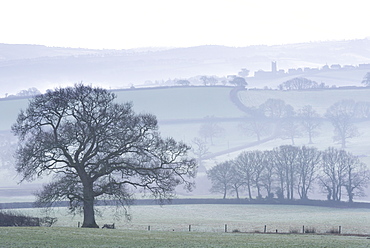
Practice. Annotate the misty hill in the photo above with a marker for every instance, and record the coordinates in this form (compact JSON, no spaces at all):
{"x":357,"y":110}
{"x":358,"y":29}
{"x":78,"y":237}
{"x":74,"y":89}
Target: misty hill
{"x":25,"y":66}
{"x":182,"y":111}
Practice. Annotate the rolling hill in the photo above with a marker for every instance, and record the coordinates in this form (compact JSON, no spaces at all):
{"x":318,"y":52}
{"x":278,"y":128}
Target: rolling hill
{"x":25,"y":66}
{"x":182,"y":111}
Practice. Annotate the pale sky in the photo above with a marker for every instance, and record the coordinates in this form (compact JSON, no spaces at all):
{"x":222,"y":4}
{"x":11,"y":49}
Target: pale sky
{"x":114,"y":24}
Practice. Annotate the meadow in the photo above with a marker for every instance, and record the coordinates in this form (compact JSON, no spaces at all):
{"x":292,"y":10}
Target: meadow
{"x":169,"y":227}
{"x":213,"y":218}
{"x":19,"y":237}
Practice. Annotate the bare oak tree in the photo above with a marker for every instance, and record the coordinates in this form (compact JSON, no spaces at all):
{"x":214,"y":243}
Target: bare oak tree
{"x":285,"y":158}
{"x":210,"y":129}
{"x":310,"y":121}
{"x":333,"y":173}
{"x":97,"y":150}
{"x":308,"y":162}
{"x":244,"y":163}
{"x":341,"y":115}
{"x":222,"y":177}
{"x":357,"y":175}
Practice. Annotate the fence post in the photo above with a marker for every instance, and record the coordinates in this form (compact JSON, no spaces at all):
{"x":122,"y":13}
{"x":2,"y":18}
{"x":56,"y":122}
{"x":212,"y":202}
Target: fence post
{"x":303,"y":229}
{"x":148,"y":228}
{"x":78,"y":224}
{"x":340,"y":229}
{"x":225,"y":227}
{"x":264,"y":230}
{"x":189,"y":228}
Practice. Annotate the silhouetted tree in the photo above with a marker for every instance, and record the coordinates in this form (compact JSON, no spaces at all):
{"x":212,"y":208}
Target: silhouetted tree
{"x":237,"y":181}
{"x":341,"y":115}
{"x":259,"y":162}
{"x":290,"y":129}
{"x":256,"y":126}
{"x":366,"y":80}
{"x":96,"y":149}
{"x":30,"y":92}
{"x":357,"y":175}
{"x":275,"y":108}
{"x":299,"y":83}
{"x":244,"y":162}
{"x":285,"y":158}
{"x":200,"y":149}
{"x":277,"y":111}
{"x":310,"y":121}
{"x":268,"y":174}
{"x":362,"y":110}
{"x":209,"y":80}
{"x":244,"y":72}
{"x":210,"y":129}
{"x":308,"y":161}
{"x":333,"y":173}
{"x":221,"y":177}
{"x":183,"y":82}
{"x":238,"y":81}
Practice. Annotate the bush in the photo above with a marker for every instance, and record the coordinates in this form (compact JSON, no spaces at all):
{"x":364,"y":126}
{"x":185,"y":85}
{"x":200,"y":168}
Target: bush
{"x":310,"y":230}
{"x":236,"y":231}
{"x":333,"y":230}
{"x":293,"y":231}
{"x":16,"y":219}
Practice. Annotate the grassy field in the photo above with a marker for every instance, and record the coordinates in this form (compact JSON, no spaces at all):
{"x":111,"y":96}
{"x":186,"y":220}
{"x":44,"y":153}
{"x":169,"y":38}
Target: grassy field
{"x":169,"y":227}
{"x":213,"y":218}
{"x":320,"y":100}
{"x":17,"y":237}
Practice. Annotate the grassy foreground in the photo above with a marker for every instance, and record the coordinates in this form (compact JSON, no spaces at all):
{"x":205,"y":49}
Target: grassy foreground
{"x":79,"y":237}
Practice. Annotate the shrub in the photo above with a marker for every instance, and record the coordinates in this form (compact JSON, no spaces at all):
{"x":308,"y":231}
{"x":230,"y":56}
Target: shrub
{"x":333,"y":230}
{"x":236,"y":231}
{"x":16,"y":219}
{"x":293,"y":231}
{"x":310,"y":230}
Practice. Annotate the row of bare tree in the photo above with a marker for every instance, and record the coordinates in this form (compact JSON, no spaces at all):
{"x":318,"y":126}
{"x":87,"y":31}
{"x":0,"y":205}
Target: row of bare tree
{"x":275,"y":117}
{"x":288,"y":170}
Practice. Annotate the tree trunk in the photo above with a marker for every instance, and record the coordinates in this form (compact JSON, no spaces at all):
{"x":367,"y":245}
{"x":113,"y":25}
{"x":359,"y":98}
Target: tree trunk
{"x":310,"y":138}
{"x":237,"y":192}
{"x":89,"y":214}
{"x":350,"y":197}
{"x":249,"y":192}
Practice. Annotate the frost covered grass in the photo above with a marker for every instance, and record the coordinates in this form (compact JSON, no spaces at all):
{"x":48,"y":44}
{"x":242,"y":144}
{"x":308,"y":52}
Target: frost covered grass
{"x":77,"y":237}
{"x":213,"y":218}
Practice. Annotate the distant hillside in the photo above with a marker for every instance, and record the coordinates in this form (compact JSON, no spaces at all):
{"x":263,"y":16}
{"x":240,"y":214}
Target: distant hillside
{"x":182,"y":111}
{"x":25,"y":66}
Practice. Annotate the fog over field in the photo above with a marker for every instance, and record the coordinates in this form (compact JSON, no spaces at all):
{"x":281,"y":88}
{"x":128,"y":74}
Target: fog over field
{"x":189,"y":88}
{"x":26,"y":66}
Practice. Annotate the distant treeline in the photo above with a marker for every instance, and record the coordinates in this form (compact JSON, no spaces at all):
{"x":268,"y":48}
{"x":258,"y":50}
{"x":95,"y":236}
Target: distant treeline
{"x":189,"y":201}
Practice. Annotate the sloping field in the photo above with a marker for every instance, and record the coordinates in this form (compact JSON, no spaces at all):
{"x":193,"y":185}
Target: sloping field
{"x":320,"y":100}
{"x":180,"y":111}
{"x":166,"y":103}
{"x":182,"y":103}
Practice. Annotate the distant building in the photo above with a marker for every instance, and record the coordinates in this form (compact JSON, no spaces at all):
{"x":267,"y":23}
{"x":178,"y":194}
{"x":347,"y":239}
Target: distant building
{"x":364,"y":66}
{"x":335,"y":67}
{"x":325,"y":68}
{"x":269,"y":74}
{"x":273,"y":67}
{"x":349,"y":67}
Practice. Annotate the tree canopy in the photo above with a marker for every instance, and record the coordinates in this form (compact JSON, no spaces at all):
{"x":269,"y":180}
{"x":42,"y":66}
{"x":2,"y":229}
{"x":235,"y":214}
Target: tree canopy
{"x":96,"y":149}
